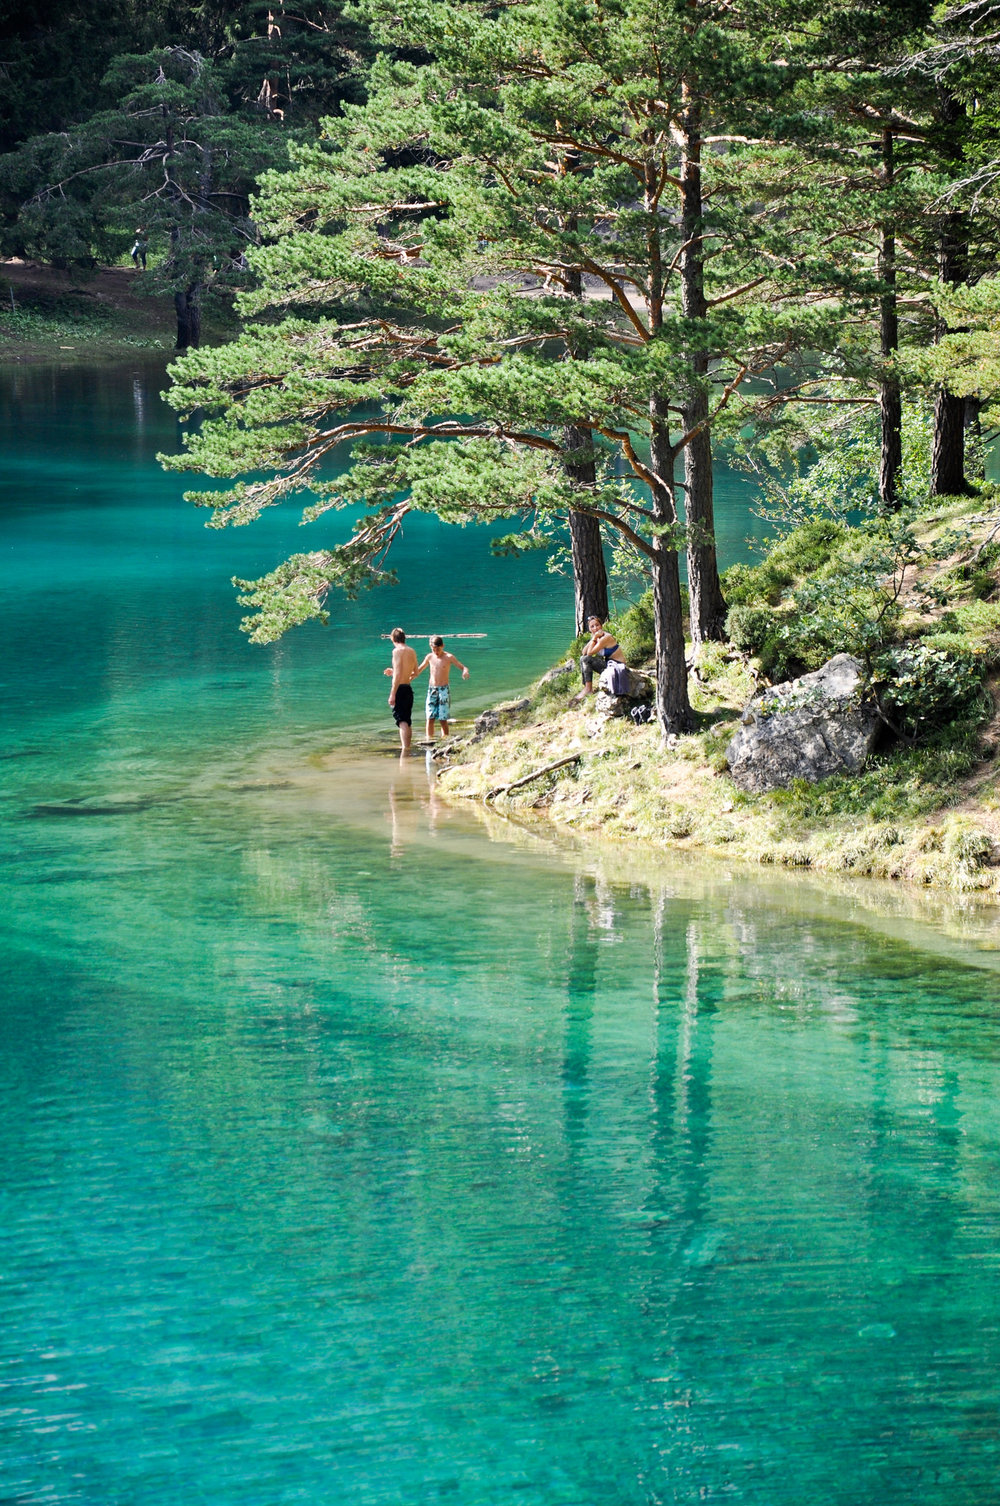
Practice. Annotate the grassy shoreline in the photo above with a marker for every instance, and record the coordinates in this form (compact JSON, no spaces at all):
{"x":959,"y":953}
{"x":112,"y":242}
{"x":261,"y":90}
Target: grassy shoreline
{"x":629,"y":788}
{"x":924,"y":812}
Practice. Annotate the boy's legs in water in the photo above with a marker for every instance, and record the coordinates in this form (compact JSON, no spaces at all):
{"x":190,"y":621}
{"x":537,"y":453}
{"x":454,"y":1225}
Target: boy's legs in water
{"x":403,"y":715}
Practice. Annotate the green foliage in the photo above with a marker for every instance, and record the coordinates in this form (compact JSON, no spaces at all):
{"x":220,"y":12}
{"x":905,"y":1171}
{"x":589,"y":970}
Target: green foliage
{"x":170,"y":155}
{"x":978,"y":619}
{"x":512,"y":544}
{"x":78,"y":320}
{"x":968,"y":845}
{"x":750,"y":627}
{"x":168,"y":119}
{"x":849,"y":610}
{"x":803,"y":551}
{"x":635,"y":630}
{"x":499,"y":234}
{"x":553,"y":694}
{"x":970,"y":629}
{"x":968,"y":362}
{"x":983,"y":584}
{"x":746,"y":585}
{"x":817,"y":463}
{"x":840,"y":592}
{"x":56,"y":54}
{"x":922,"y":688}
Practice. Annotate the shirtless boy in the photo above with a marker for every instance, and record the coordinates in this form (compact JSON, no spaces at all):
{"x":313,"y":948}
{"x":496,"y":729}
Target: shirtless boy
{"x":404,"y":667}
{"x":438,"y":691}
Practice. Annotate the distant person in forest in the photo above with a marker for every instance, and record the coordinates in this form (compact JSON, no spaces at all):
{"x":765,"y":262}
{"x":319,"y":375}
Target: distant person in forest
{"x":402,"y":670}
{"x":138,"y":252}
{"x":598,"y":653}
{"x":438,"y":691}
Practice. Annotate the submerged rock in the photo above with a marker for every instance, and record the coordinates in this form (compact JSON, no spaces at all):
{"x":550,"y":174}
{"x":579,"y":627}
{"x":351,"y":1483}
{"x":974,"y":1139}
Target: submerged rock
{"x":810,"y":728}
{"x":82,"y":808}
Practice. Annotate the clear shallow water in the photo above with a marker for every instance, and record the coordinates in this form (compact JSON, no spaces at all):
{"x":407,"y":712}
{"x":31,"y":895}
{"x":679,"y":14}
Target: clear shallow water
{"x":359,"y":1148}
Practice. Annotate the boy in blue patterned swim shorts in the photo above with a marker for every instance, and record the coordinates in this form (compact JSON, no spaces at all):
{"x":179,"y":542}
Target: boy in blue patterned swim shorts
{"x":439,"y":691}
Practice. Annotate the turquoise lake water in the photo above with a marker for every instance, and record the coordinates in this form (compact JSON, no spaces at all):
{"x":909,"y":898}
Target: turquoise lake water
{"x":359,"y":1148}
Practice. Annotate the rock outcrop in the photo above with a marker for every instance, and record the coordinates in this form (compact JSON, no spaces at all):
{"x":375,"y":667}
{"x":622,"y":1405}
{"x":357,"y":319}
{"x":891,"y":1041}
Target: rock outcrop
{"x":495,"y":717}
{"x":557,"y":672}
{"x":641,"y":689}
{"x":809,"y":728}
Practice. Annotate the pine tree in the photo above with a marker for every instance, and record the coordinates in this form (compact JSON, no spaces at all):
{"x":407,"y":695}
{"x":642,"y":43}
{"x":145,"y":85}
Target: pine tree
{"x":426,"y":257}
{"x":175,"y":148}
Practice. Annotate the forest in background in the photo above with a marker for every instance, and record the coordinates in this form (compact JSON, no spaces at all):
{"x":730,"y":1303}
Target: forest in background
{"x":542,"y":263}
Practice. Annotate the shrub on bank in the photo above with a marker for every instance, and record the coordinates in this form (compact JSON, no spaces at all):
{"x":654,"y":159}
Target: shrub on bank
{"x":922,"y":687}
{"x":635,"y":630}
{"x":800,"y":553}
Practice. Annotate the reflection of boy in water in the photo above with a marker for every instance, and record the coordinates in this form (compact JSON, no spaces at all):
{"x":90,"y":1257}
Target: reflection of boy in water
{"x":439,"y":691}
{"x":402,"y":670}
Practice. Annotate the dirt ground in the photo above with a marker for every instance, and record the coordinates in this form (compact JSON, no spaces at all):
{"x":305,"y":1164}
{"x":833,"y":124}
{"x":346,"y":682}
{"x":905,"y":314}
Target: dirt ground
{"x":112,"y":285}
{"x":47,"y":314}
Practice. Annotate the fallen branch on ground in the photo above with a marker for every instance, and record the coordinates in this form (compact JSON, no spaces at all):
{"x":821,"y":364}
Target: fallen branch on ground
{"x":505,"y":789}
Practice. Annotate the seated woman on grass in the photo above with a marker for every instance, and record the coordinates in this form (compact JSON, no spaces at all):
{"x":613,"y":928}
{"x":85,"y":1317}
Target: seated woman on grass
{"x":598,"y":653}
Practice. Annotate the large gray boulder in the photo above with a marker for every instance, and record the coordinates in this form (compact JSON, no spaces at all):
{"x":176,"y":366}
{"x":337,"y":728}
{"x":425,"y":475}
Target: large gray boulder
{"x":810,"y":728}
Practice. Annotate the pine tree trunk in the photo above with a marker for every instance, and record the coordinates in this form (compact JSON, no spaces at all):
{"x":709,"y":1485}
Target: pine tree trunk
{"x":194,"y":314}
{"x":187,"y":305}
{"x":948,"y":447}
{"x":590,"y":576}
{"x":708,"y":606}
{"x":590,"y":580}
{"x":890,"y":401}
{"x":948,"y":451}
{"x":672,"y":705}
{"x":183,"y":321}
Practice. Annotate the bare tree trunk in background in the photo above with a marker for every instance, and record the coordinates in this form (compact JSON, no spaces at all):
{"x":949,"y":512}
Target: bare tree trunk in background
{"x":890,"y":403}
{"x":590,"y":575}
{"x":269,"y":93}
{"x":187,"y":305}
{"x":948,"y":448}
{"x":708,"y":605}
{"x":672,"y":704}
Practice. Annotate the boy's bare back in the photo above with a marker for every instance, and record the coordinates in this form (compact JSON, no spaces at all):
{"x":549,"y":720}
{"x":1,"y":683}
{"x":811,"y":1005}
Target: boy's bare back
{"x":404,"y":664}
